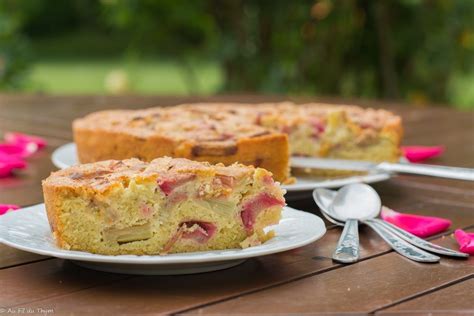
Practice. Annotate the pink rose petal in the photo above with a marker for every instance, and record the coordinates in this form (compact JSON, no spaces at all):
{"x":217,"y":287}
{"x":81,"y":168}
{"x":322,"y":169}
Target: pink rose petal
{"x":420,"y":153}
{"x":7,"y":207}
{"x":465,"y":241}
{"x":421,"y":226}
{"x":19,"y":138}
{"x":10,"y":163}
{"x":18,"y":150}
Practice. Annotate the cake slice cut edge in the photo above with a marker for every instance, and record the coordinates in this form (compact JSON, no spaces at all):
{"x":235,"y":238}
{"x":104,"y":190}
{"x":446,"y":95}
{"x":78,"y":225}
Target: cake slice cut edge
{"x":169,"y":205}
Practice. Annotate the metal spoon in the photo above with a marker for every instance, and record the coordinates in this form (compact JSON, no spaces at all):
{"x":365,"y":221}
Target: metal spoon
{"x":352,"y":203}
{"x":324,"y":198}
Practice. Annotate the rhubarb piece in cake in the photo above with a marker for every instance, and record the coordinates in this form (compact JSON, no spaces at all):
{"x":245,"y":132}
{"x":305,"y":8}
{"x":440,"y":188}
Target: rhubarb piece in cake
{"x":168,"y":205}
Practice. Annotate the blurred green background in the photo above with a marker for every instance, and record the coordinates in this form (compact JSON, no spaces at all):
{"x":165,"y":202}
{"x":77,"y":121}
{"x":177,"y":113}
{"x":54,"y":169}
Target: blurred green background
{"x":416,"y":51}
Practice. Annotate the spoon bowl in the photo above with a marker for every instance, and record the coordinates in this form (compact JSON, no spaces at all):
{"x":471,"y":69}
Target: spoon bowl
{"x":323,"y":198}
{"x":355,"y":201}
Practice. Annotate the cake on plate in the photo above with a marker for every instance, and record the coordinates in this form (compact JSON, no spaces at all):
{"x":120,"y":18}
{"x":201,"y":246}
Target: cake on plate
{"x":262,"y":135}
{"x":168,"y":205}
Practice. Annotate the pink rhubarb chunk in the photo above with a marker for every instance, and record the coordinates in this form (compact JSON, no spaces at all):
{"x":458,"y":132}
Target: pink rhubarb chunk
{"x":252,"y":208}
{"x":4,"y":208}
{"x":227,"y":181}
{"x":318,"y":126}
{"x":9,"y":163}
{"x":420,"y":153}
{"x":19,"y":138}
{"x":465,"y":241}
{"x":146,"y":210}
{"x":168,"y":183}
{"x":421,"y":226}
{"x":202,"y":234}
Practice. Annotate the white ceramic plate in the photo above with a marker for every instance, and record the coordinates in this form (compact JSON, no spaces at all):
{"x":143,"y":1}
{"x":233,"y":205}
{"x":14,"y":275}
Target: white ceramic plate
{"x":28,"y":229}
{"x":65,"y":156}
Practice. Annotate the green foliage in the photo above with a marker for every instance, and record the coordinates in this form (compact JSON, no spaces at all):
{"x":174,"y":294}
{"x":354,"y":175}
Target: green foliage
{"x":416,"y":50}
{"x":14,"y":57}
{"x":176,"y":28}
{"x":384,"y":49}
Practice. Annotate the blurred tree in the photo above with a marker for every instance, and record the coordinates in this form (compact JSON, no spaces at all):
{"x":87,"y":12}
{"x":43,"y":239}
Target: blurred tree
{"x":417,"y":50}
{"x":170,"y":28}
{"x":14,"y":55}
{"x":386,"y":49}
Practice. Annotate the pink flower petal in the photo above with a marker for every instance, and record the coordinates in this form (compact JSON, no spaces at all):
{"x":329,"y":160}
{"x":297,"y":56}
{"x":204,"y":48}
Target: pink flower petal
{"x":19,"y":138}
{"x":421,"y":226}
{"x":465,"y":241}
{"x":18,"y":150}
{"x":10,"y":163}
{"x":420,"y":153}
{"x":7,"y":207}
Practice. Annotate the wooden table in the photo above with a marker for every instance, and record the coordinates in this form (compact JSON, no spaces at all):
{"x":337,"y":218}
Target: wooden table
{"x":305,"y":280}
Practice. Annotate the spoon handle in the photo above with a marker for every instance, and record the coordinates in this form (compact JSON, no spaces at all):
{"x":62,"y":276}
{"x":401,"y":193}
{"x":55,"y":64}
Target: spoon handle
{"x":421,"y":243}
{"x":401,"y":246}
{"x":347,"y":250}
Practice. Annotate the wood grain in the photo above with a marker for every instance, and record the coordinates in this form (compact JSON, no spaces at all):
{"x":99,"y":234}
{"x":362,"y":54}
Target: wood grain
{"x":38,"y":280}
{"x":157,"y":290}
{"x":455,"y":299}
{"x":304,"y":280}
{"x":359,"y":288}
{"x":11,"y":257}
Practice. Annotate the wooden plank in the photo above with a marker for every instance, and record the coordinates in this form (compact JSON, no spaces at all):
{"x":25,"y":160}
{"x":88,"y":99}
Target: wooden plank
{"x":164,"y":294}
{"x":51,"y":116}
{"x":428,"y":186}
{"x":55,"y":134}
{"x":39,"y":280}
{"x":159,"y":294}
{"x":455,"y":299}
{"x":359,"y":288}
{"x":11,"y":257}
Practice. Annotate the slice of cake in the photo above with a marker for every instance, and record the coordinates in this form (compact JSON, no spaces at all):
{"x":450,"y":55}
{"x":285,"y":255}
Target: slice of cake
{"x":164,"y":206}
{"x":262,"y":135}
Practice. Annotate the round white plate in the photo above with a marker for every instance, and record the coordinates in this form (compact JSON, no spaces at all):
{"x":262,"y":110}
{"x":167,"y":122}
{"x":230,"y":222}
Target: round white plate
{"x":28,"y":229}
{"x":65,"y":156}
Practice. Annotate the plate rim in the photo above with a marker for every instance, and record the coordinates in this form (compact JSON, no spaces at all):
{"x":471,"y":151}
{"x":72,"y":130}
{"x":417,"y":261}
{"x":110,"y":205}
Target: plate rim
{"x":251,"y":252}
{"x":55,"y":156}
{"x":291,"y":188}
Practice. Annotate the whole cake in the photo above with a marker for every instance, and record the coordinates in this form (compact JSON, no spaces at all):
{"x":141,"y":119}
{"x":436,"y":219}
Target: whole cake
{"x":263,"y":135}
{"x":165,"y":206}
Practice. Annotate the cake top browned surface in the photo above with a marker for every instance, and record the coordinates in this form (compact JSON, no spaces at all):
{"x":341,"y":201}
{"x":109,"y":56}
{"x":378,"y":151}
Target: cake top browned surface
{"x":177,"y":123}
{"x":218,"y":122}
{"x":102,"y":174}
